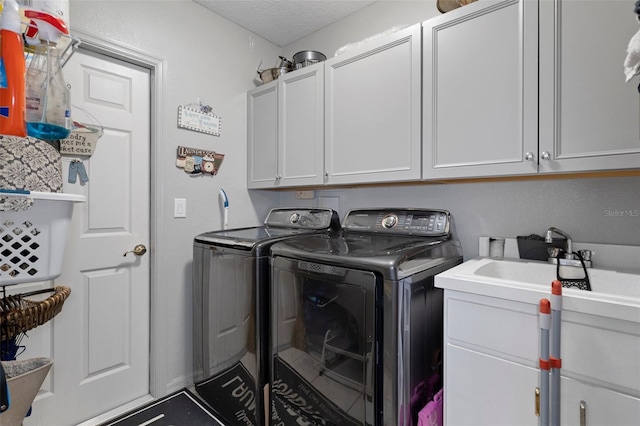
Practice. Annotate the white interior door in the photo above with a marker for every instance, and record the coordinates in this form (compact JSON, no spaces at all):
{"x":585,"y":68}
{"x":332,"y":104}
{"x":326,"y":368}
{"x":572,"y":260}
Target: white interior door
{"x":100,"y":340}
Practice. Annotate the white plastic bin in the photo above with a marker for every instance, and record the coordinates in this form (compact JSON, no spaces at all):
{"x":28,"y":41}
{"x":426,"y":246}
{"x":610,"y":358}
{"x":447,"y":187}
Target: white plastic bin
{"x":32,"y":242}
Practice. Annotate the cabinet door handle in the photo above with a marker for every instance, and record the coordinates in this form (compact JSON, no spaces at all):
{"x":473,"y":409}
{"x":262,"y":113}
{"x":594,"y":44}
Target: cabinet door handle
{"x":537,"y":399}
{"x":529,"y":156}
{"x":545,"y":155}
{"x":583,"y":413}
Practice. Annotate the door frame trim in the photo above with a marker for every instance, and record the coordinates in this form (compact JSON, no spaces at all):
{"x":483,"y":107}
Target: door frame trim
{"x":158,"y":385}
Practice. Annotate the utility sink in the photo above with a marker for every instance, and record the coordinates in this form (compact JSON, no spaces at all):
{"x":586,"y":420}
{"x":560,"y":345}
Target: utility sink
{"x":601,"y":280}
{"x":614,"y":294}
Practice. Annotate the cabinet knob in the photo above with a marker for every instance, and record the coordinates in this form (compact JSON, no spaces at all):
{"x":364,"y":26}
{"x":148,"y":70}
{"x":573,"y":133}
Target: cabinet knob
{"x":529,"y":156}
{"x":545,"y":155}
{"x":278,"y":177}
{"x":326,"y":174}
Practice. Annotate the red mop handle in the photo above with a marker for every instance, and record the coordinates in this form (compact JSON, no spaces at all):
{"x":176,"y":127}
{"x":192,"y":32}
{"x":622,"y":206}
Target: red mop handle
{"x":554,"y":355}
{"x":545,"y":325}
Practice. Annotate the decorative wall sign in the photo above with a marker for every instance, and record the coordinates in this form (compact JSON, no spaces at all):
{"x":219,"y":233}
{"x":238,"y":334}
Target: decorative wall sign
{"x":199,"y":119}
{"x":82,"y":141}
{"x":199,"y":161}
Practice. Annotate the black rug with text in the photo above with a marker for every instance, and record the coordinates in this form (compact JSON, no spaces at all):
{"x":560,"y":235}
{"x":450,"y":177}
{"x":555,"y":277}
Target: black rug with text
{"x":295,"y":401}
{"x":232,"y":395}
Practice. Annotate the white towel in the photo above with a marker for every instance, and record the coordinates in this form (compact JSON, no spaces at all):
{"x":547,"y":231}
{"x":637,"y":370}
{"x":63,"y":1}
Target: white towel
{"x":632,"y":62}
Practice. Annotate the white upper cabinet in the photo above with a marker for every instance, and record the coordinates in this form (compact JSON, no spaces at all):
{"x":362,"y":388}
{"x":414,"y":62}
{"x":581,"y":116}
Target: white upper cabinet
{"x":301,"y":125}
{"x":262,"y":136}
{"x":480,"y":90}
{"x":372,"y":111}
{"x":589,"y":116}
{"x":286,"y":130}
{"x":494,"y":88}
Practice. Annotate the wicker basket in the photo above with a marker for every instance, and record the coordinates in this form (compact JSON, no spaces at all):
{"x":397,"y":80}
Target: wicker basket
{"x":19,"y":315}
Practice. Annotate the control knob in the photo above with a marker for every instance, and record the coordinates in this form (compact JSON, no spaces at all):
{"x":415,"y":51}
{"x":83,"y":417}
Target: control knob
{"x":389,"y":221}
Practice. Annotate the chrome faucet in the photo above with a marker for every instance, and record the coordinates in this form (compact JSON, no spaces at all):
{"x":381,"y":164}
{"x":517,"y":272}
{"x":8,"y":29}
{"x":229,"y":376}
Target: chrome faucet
{"x":570,"y":258}
{"x":548,"y":238}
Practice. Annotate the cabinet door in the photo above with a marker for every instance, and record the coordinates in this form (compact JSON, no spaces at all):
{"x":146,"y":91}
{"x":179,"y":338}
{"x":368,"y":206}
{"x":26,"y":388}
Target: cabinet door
{"x":589,"y":116}
{"x":484,"y":390}
{"x":596,"y":405}
{"x":301,"y":125}
{"x":480,"y":90}
{"x":262,"y":136}
{"x":372,"y":111}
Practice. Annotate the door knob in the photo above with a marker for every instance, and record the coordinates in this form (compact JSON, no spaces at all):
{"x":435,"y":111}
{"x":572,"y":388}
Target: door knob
{"x":138,"y":250}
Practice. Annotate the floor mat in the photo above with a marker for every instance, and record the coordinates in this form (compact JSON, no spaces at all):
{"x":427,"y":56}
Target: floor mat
{"x":231,"y":394}
{"x":295,"y":401}
{"x":180,"y":408}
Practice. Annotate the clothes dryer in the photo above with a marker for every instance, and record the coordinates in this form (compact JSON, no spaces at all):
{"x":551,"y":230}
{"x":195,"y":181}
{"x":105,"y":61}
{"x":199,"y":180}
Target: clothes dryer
{"x":231,"y":309}
{"x":357,"y":324}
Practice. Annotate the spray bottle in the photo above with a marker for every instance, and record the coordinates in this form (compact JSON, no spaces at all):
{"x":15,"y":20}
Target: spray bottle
{"x":48,"y":104}
{"x":12,"y":72}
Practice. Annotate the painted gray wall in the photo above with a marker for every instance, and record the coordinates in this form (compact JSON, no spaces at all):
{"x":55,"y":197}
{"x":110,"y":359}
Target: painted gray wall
{"x":596,"y":210}
{"x":380,"y":17}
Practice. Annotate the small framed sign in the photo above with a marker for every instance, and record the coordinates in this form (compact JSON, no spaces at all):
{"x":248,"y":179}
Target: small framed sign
{"x":196,"y":161}
{"x":193,"y":118}
{"x":82,"y":141}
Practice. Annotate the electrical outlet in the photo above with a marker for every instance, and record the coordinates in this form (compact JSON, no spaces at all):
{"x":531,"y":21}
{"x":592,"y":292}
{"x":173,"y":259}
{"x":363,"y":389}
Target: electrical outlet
{"x":305,"y":195}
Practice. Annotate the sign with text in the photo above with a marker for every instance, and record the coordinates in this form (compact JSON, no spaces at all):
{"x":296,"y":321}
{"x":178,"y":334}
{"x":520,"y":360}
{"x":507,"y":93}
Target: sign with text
{"x":199,"y":161}
{"x":81,"y":142}
{"x":198,"y":121}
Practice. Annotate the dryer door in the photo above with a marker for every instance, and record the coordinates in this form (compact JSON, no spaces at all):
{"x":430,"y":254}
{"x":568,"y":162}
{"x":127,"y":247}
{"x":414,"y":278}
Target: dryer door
{"x":324,"y":343}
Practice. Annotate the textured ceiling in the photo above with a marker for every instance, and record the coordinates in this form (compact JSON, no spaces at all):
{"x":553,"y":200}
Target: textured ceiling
{"x":283,"y":21}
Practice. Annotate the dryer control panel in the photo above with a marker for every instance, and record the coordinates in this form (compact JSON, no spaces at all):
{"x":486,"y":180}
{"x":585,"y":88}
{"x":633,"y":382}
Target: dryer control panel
{"x":424,"y":222}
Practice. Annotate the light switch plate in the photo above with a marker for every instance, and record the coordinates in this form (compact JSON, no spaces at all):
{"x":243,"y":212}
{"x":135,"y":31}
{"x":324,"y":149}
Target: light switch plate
{"x":179,"y":207}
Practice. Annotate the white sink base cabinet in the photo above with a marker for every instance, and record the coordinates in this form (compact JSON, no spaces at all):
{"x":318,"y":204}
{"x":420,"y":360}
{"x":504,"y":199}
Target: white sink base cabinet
{"x":491,"y":363}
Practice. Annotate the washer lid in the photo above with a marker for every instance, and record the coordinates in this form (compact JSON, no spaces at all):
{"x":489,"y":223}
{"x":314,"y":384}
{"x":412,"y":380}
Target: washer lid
{"x":394,"y":257}
{"x":280,"y":223}
{"x":248,"y":237}
{"x":361,"y":245}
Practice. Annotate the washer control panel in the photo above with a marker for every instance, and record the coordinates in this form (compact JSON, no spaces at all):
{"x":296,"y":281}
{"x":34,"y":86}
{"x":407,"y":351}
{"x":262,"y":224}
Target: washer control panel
{"x":434,"y":223}
{"x":303,"y":218}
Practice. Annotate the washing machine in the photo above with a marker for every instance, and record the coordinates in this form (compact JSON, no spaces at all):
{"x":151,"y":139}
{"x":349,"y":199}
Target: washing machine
{"x":357,"y":324}
{"x":231,"y":309}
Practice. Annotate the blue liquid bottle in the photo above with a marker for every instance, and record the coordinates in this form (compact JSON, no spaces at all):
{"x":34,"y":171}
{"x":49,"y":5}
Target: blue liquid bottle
{"x":47,"y":95}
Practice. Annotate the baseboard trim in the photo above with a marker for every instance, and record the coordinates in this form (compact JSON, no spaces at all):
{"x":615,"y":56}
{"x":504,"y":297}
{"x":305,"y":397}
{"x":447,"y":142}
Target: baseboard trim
{"x":136,"y":403}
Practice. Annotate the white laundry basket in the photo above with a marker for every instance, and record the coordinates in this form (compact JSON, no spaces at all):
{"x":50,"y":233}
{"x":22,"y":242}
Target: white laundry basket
{"x":32,"y":241}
